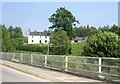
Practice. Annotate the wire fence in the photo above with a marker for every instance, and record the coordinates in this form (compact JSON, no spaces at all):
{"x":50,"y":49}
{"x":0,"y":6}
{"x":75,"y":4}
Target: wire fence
{"x":108,"y":68}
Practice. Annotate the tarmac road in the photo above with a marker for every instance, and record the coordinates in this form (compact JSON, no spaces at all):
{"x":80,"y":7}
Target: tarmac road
{"x":11,"y":75}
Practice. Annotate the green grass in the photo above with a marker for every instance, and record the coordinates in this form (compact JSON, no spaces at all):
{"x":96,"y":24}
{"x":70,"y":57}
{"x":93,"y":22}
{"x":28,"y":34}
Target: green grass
{"x":27,"y":52}
{"x":77,"y":49}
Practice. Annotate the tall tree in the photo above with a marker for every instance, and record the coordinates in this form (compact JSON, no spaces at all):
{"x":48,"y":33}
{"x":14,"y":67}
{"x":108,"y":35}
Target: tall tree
{"x":12,"y":38}
{"x":7,"y":43}
{"x":11,"y":31}
{"x":0,"y":38}
{"x":63,"y":19}
{"x":18,"y":32}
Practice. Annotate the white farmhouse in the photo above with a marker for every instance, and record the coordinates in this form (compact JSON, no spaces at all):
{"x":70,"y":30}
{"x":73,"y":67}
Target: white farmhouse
{"x":38,"y":37}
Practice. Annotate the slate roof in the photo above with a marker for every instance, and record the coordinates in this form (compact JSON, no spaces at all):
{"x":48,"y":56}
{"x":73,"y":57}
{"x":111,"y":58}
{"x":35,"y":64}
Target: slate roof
{"x":39,"y":33}
{"x":79,"y":38}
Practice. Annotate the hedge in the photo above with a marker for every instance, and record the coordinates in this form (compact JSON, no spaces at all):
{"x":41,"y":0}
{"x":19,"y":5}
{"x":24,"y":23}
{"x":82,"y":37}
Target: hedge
{"x":34,"y":48}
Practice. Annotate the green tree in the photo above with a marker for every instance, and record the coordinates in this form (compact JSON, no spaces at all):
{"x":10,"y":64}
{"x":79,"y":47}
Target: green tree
{"x":7,"y":43}
{"x":93,"y":30}
{"x":105,"y":28}
{"x":12,"y":38}
{"x":60,"y":43}
{"x":63,"y":19}
{"x":18,"y":32}
{"x":0,"y":38}
{"x":16,"y":36}
{"x":15,"y":32}
{"x":25,"y":39}
{"x":114,"y":29}
{"x":102,"y":44}
{"x":119,"y":31}
{"x":82,"y":31}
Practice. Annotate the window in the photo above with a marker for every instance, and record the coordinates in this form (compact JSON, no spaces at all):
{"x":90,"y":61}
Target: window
{"x":40,"y":41}
{"x":32,"y":40}
{"x":45,"y":36}
{"x":45,"y":41}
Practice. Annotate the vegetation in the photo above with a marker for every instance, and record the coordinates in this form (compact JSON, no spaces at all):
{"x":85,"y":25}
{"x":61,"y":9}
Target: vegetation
{"x":114,"y":28}
{"x":77,"y":49}
{"x":102,"y":44}
{"x":63,"y":19}
{"x":82,"y":31}
{"x":79,"y":65}
{"x":60,"y":44}
{"x":87,"y":30}
{"x":28,"y":52}
{"x":34,"y":48}
{"x":0,"y":40}
{"x":11,"y":38}
{"x":102,"y":41}
{"x":13,"y":41}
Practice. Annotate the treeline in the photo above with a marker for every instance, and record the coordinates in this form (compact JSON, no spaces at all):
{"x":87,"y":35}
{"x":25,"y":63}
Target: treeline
{"x":86,"y":30}
{"x":12,"y":38}
{"x":14,"y":41}
{"x":101,"y":42}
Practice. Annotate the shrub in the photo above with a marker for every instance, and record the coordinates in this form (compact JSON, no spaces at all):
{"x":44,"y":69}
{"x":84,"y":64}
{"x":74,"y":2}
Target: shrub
{"x":102,"y":44}
{"x":34,"y":48}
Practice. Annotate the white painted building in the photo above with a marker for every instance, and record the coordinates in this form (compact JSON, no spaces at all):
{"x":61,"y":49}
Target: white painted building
{"x":38,"y":37}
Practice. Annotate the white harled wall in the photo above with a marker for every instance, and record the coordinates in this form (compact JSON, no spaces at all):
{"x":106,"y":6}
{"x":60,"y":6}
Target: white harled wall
{"x":36,"y":39}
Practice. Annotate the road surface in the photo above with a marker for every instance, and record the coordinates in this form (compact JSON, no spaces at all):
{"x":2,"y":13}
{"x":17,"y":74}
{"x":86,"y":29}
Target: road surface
{"x":11,"y":75}
{"x":45,"y":74}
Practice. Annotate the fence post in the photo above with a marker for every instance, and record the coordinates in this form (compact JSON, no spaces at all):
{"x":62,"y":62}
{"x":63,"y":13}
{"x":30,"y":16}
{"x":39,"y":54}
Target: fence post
{"x":99,"y":65}
{"x":6,"y":56}
{"x":100,"y":68}
{"x":45,"y":60}
{"x":31,"y":59}
{"x":21,"y":58}
{"x":2,"y":55}
{"x":14,"y":57}
{"x":66,"y":63}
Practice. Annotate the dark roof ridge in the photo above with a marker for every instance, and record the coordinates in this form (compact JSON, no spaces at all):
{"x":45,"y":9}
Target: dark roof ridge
{"x":35,"y":33}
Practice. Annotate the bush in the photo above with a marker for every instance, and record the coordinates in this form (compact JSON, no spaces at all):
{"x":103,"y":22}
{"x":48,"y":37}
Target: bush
{"x":34,"y":48}
{"x":102,"y":44}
